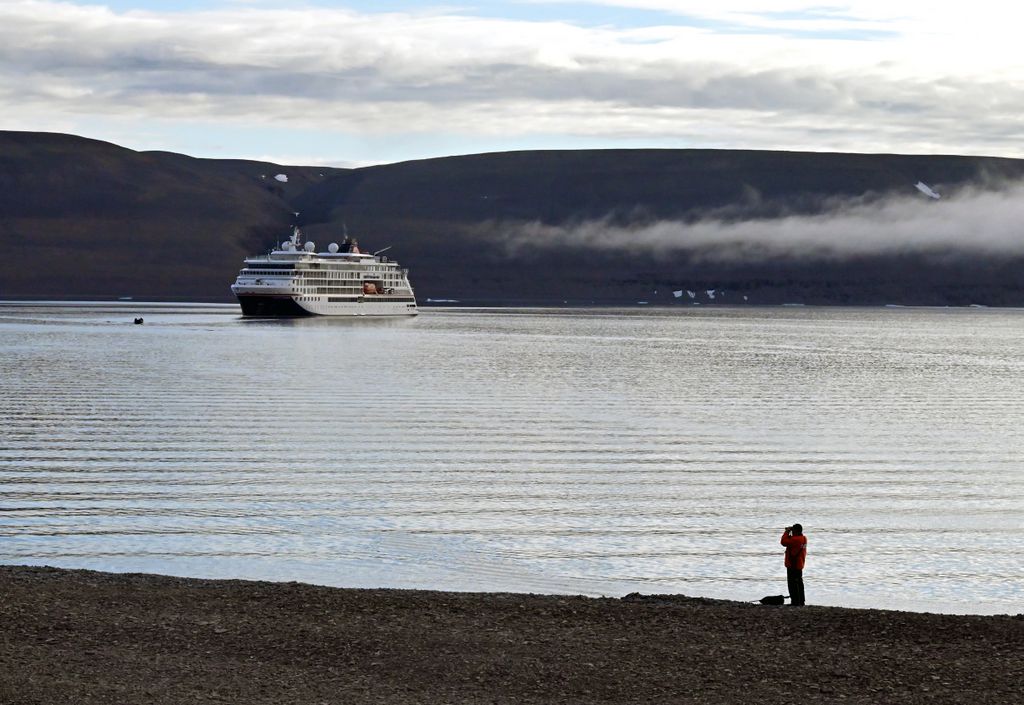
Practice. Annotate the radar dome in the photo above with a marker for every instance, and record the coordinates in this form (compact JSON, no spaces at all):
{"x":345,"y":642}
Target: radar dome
{"x":310,"y":246}
{"x":333,"y":248}
{"x":286,"y":246}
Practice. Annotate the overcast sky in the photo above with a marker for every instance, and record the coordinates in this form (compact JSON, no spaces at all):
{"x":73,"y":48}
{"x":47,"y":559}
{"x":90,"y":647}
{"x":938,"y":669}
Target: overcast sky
{"x":351,"y":83}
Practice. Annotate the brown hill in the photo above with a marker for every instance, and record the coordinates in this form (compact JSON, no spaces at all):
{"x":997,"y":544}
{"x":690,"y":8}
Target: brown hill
{"x":87,"y":219}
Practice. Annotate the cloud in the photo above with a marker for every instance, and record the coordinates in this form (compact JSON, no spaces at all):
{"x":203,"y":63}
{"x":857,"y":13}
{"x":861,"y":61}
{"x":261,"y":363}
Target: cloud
{"x":971,"y":221}
{"x":992,"y":19}
{"x":443,"y":72}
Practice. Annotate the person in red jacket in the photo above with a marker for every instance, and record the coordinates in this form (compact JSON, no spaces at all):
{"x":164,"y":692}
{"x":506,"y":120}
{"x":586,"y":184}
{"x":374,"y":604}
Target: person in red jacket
{"x":796,"y":551}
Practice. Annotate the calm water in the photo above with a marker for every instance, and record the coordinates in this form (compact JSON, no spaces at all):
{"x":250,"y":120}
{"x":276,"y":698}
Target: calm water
{"x":584,"y":451}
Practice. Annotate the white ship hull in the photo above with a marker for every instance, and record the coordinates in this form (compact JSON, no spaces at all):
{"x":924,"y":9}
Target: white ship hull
{"x":320,"y":306}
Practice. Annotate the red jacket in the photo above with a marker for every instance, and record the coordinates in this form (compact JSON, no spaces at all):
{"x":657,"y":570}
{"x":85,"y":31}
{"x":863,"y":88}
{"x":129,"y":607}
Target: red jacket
{"x":796,"y":550}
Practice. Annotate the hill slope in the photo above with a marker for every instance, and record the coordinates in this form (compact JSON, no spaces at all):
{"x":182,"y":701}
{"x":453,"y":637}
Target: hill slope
{"x":87,"y":219}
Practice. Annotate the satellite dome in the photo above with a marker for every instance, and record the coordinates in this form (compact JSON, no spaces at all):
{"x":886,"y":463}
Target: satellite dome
{"x":333,"y":248}
{"x":310,"y":246}
{"x":286,"y":246}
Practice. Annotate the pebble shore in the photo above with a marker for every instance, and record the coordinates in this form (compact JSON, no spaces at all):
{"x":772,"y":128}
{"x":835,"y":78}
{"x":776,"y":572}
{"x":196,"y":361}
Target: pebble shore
{"x":83,"y":637}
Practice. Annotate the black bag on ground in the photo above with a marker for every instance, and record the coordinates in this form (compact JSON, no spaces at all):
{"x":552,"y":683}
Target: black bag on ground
{"x":774,"y":600}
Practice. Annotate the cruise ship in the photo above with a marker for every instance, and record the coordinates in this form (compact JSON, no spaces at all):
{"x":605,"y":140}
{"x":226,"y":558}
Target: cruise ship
{"x":293,"y":279}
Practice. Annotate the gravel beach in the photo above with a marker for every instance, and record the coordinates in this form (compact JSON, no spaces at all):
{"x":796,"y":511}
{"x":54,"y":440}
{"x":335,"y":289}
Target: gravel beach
{"x":73,"y":636}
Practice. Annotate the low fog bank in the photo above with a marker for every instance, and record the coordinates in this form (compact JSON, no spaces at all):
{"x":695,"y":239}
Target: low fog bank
{"x":972,"y":222}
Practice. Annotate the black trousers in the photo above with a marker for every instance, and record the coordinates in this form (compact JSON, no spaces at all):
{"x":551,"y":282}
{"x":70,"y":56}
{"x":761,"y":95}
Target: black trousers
{"x":795,"y":578}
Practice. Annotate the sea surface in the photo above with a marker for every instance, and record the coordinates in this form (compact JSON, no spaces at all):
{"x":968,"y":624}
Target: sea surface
{"x":593,"y":451}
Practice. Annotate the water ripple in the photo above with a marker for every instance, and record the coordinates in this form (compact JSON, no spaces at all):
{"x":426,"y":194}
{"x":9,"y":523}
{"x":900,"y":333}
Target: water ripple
{"x":567,"y":451}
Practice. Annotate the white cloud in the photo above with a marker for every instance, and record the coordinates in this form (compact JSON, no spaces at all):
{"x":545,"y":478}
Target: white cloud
{"x":988,"y":18}
{"x":334,"y":70}
{"x":973,"y":222}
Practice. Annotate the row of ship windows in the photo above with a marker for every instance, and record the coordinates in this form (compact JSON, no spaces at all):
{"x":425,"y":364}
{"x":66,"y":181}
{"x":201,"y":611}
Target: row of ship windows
{"x":350,"y":290}
{"x":333,"y":282}
{"x":328,"y":268}
{"x":343,"y":267}
{"x":319,"y":275}
{"x":340,"y":300}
